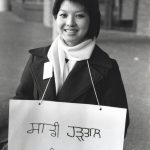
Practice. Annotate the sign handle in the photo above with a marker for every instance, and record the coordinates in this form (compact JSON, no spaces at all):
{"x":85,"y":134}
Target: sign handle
{"x":93,"y":85}
{"x":41,"y":100}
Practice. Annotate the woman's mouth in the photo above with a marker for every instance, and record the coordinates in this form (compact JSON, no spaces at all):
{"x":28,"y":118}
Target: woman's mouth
{"x":70,"y":31}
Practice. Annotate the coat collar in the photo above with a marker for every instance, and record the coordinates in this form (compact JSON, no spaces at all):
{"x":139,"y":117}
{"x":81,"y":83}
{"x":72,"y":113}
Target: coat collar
{"x":40,"y":52}
{"x":78,"y":81}
{"x":99,"y":57}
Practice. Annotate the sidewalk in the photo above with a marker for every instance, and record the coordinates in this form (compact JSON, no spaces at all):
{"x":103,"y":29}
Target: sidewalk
{"x":132,"y":53}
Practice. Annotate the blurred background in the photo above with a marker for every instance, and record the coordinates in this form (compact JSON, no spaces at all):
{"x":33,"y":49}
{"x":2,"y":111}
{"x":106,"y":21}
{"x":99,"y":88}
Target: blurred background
{"x":125,"y":36}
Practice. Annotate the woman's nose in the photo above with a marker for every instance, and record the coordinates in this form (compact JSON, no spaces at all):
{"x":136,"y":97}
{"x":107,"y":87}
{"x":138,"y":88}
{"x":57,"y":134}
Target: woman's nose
{"x":71,"y":21}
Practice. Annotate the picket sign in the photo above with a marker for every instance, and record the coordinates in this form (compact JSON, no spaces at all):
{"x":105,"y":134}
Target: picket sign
{"x":64,"y":126}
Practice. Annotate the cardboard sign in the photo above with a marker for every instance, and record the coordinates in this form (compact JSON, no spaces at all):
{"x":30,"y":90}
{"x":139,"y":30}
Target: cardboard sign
{"x":64,"y":126}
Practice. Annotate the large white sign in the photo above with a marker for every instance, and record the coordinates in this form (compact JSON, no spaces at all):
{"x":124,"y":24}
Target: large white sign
{"x":64,"y":126}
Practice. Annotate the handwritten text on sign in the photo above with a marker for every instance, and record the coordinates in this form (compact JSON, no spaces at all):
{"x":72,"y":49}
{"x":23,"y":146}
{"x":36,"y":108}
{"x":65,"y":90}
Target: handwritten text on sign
{"x":74,"y":132}
{"x":57,"y":126}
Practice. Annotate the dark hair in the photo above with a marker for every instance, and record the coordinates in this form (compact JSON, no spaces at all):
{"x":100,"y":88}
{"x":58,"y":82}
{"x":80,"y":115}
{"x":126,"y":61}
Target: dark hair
{"x":92,"y":8}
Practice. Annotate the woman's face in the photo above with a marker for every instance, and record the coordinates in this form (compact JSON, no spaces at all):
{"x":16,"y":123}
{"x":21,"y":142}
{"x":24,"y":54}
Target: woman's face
{"x":72,"y":22}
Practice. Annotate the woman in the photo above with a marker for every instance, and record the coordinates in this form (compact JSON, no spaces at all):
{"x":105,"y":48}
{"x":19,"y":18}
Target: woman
{"x":61,"y":71}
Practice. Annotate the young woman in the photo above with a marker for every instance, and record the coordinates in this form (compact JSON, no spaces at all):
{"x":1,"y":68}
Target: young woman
{"x":68,"y":59}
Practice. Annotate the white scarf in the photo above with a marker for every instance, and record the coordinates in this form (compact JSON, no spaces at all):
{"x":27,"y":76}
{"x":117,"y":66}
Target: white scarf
{"x":59,"y":51}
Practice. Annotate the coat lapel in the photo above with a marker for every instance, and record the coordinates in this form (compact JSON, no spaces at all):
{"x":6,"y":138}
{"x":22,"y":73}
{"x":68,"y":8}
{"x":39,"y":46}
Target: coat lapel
{"x":79,"y":81}
{"x":37,"y":71}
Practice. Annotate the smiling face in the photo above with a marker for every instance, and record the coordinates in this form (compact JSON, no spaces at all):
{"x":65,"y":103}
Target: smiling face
{"x":72,"y":22}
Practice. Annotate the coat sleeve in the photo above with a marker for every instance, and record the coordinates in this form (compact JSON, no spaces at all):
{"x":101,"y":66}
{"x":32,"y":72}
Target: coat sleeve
{"x":114,"y":91}
{"x":26,"y":85}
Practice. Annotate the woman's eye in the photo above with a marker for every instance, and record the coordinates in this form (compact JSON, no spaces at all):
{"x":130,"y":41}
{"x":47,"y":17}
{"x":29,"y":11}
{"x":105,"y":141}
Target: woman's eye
{"x":80,"y":16}
{"x":63,"y":15}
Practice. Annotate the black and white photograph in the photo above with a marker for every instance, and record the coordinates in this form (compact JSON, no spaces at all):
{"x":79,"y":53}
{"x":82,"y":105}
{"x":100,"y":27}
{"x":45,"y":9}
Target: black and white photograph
{"x":74,"y":75}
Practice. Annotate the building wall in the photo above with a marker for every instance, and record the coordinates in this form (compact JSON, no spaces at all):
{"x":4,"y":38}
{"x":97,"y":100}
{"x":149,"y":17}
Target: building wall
{"x":34,"y":12}
{"x":29,"y":10}
{"x":128,"y":10}
{"x":143,"y":20}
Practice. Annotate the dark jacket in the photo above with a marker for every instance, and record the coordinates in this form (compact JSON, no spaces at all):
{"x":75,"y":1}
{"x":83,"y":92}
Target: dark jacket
{"x":77,"y":87}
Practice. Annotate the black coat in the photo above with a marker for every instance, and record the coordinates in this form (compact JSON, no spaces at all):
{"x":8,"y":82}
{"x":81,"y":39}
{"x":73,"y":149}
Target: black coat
{"x":77,"y":87}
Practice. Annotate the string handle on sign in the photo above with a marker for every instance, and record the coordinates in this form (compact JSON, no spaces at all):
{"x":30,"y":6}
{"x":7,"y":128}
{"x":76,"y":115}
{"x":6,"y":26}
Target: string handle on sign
{"x":93,"y":85}
{"x":41,"y":100}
